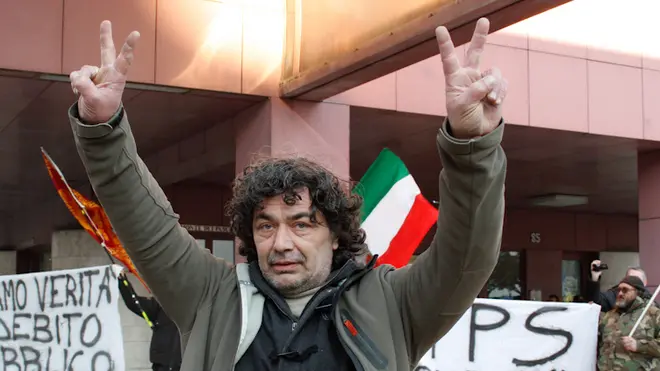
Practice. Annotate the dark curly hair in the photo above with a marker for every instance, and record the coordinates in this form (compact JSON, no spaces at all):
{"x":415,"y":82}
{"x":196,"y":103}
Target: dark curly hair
{"x":285,"y":176}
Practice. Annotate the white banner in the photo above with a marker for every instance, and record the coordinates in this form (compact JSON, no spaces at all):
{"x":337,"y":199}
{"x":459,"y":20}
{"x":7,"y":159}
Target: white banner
{"x":507,"y":335}
{"x":61,"y":320}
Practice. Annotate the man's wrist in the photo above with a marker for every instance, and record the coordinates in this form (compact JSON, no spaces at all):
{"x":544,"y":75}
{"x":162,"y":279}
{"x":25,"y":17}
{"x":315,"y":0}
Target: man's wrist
{"x":461,"y":147}
{"x":467,"y":136}
{"x":113,"y":121}
{"x":95,"y":130}
{"x":642,"y":346}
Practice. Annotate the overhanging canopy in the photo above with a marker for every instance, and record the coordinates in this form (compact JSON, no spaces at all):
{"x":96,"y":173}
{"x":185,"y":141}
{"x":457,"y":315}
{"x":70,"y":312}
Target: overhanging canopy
{"x":335,"y":45}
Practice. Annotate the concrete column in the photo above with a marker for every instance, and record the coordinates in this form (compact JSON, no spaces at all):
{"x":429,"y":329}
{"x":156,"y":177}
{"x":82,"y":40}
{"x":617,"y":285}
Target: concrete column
{"x":77,"y":249}
{"x":649,"y":214}
{"x":7,"y":262}
{"x":319,"y":131}
{"x":548,"y":262}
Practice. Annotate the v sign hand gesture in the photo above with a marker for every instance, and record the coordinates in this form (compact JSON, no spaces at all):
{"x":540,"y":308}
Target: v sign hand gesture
{"x":474,"y":98}
{"x":100,"y":89}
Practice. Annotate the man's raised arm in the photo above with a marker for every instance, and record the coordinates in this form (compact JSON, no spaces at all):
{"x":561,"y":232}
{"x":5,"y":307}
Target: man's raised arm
{"x":180,"y":274}
{"x":436,"y":290}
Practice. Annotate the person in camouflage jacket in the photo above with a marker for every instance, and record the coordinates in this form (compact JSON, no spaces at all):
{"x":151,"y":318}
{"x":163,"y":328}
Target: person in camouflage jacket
{"x":617,"y":350}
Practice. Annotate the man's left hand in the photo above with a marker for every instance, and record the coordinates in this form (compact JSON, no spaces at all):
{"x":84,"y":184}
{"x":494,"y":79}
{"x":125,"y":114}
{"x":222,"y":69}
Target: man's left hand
{"x":474,"y":98}
{"x":629,"y":343}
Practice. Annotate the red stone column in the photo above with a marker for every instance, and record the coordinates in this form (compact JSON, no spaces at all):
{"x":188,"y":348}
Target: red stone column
{"x":649,"y":215}
{"x":319,"y":131}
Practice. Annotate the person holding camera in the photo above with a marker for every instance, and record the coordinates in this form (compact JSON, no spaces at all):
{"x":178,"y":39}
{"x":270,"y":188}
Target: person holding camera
{"x":607,"y":299}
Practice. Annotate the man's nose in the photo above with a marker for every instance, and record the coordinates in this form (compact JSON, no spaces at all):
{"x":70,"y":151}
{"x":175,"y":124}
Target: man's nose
{"x":283,"y":239}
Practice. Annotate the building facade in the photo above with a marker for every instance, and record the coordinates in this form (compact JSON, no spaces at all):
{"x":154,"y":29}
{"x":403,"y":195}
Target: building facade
{"x":583,"y":134}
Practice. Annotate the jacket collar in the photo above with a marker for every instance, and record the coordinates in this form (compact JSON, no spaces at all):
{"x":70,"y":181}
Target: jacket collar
{"x":336,"y":278}
{"x":638,"y":303}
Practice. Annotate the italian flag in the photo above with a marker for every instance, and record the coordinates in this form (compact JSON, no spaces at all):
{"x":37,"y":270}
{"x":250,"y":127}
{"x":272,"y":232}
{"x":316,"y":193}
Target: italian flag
{"x":395,"y":215}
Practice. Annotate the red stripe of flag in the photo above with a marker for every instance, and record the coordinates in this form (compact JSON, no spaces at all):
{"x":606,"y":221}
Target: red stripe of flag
{"x":419,"y":220}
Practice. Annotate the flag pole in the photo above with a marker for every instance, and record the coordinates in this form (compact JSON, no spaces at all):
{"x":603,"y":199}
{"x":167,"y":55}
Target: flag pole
{"x":124,"y":280}
{"x":648,"y":305}
{"x":98,"y":233}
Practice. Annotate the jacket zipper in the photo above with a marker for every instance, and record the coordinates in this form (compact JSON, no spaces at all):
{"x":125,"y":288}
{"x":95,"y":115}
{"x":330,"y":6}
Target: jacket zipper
{"x":294,"y":322}
{"x":369,"y":349}
{"x":356,"y":363}
{"x":240,"y":320}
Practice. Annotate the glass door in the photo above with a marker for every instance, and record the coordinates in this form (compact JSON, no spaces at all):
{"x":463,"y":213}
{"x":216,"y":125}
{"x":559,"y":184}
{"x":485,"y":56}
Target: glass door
{"x":575,"y":273}
{"x":505,"y":281}
{"x":571,"y":280}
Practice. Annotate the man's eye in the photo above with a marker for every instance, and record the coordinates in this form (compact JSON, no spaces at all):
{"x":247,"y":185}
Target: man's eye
{"x":265,"y":227}
{"x":301,"y":225}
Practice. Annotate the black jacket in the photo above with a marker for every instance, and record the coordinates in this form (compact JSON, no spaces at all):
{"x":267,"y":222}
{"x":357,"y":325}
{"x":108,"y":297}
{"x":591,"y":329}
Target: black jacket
{"x":606,"y":299}
{"x":165,"y":347}
{"x":310,"y":342}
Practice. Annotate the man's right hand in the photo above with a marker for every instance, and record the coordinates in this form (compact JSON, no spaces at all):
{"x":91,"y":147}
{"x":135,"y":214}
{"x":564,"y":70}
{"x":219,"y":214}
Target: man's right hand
{"x":100,"y":89}
{"x":595,"y":276}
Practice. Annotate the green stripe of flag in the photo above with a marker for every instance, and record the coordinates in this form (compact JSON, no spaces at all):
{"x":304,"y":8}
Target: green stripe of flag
{"x":379,"y":178}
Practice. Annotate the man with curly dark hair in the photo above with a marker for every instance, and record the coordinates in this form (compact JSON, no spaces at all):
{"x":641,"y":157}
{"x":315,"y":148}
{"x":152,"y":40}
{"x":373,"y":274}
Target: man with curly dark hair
{"x":300,"y":182}
{"x":304,"y":301}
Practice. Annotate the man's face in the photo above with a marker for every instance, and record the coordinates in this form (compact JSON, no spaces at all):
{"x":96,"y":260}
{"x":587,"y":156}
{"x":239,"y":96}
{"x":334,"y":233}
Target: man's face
{"x":625,"y":296}
{"x":294,"y":253}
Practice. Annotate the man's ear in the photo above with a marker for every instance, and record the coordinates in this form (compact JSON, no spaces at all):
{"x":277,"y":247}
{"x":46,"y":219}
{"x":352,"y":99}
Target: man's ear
{"x":335,"y":243}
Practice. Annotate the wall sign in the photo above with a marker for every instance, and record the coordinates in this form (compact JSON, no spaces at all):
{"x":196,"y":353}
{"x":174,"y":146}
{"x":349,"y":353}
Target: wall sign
{"x":206,"y":228}
{"x":535,"y":237}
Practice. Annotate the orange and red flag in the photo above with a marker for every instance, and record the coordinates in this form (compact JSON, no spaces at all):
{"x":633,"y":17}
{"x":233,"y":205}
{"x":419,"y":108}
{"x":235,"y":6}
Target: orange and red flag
{"x":91,"y":217}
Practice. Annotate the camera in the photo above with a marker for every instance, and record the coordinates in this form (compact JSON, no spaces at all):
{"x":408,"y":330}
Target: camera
{"x":598,"y":268}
